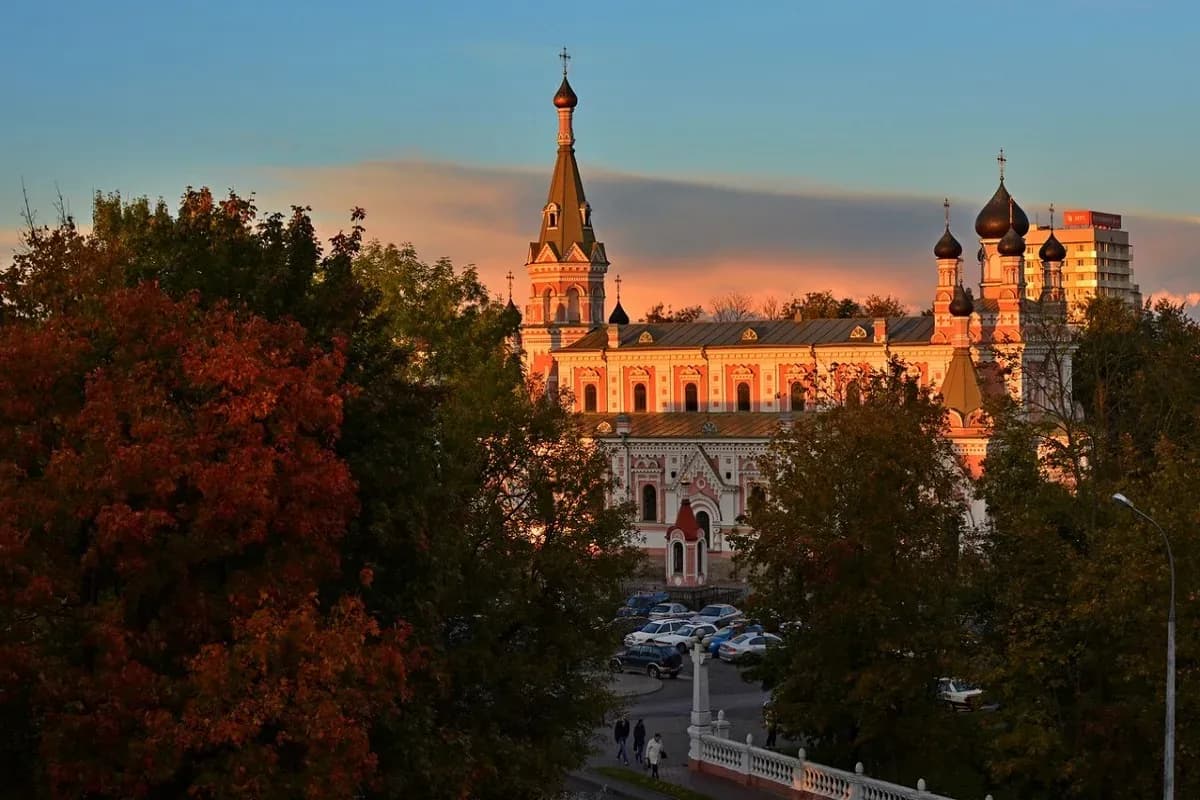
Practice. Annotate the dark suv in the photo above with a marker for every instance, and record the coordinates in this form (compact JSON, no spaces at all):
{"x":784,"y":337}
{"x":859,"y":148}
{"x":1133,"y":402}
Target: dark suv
{"x":653,"y":659}
{"x":639,"y":605}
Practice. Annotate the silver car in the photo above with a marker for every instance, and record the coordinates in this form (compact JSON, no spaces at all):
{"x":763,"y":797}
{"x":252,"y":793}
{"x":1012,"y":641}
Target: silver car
{"x":670,"y":611}
{"x":717,"y":614}
{"x":653,"y":629}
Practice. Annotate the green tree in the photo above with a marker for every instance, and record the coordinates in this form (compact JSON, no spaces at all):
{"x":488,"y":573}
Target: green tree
{"x":858,"y":541}
{"x":686,"y":314}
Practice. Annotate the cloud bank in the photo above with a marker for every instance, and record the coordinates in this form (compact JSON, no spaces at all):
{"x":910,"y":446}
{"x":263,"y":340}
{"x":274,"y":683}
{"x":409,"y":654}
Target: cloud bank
{"x":682,"y":242}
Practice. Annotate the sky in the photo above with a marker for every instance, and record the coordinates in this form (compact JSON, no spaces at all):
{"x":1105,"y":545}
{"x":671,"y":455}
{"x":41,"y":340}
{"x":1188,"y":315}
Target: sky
{"x":767,"y":149}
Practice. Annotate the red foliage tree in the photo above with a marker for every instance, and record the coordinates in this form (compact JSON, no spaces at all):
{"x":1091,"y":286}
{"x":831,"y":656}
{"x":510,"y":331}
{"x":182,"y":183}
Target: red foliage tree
{"x":170,"y":503}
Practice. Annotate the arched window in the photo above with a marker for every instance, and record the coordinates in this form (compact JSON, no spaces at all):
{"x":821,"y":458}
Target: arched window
{"x":589,"y":397}
{"x":546,"y":306}
{"x":853,"y":394}
{"x":797,"y":399}
{"x":552,"y":216}
{"x":639,"y":397}
{"x":704,"y":523}
{"x":573,"y":304}
{"x":586,"y":211}
{"x":690,"y":399}
{"x":743,"y":396}
{"x":701,"y":556}
{"x":561,"y":314}
{"x":677,"y":558}
{"x":649,"y":503}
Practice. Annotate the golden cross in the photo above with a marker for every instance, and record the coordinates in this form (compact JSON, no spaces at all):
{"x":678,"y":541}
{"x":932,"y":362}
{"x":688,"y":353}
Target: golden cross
{"x":565,"y":58}
{"x":999,"y":159}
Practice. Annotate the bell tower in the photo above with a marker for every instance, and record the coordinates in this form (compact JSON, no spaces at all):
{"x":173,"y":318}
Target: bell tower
{"x":566,"y":265}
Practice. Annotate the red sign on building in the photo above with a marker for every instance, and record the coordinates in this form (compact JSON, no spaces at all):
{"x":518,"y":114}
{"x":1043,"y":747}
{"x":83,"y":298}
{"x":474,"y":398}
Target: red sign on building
{"x":1091,"y":219}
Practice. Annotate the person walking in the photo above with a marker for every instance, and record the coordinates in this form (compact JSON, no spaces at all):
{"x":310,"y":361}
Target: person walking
{"x":655,"y":752}
{"x":621,"y":734}
{"x":639,"y":741}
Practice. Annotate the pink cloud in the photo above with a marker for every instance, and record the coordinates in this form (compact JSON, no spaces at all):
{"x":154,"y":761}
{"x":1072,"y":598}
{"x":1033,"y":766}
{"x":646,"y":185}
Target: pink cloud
{"x":681,"y":242}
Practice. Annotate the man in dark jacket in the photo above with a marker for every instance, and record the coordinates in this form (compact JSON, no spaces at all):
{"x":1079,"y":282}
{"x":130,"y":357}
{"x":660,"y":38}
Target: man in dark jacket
{"x":639,"y":741}
{"x":621,"y":734}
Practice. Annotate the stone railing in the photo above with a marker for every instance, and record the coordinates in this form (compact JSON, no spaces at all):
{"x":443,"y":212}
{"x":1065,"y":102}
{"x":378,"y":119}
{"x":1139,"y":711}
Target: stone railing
{"x":757,"y":766}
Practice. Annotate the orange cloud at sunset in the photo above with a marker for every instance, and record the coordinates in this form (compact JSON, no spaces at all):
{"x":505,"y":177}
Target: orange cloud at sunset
{"x":683,"y":243}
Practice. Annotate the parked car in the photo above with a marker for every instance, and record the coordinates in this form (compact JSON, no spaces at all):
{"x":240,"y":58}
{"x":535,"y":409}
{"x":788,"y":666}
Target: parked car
{"x":640,"y":603}
{"x":747,"y":645}
{"x":717,"y":614}
{"x":653,"y":659}
{"x":670,"y":611}
{"x":713,"y":643}
{"x":959,"y":694}
{"x":652,"y":630}
{"x":683,"y":638}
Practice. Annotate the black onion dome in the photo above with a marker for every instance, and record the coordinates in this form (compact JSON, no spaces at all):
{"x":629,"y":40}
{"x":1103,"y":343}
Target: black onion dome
{"x":947,"y":246}
{"x":993,"y":219}
{"x":1011,"y":243}
{"x":1052,"y":249}
{"x":512,"y":314}
{"x":565,"y":97}
{"x":618,"y":315}
{"x":961,"y":305}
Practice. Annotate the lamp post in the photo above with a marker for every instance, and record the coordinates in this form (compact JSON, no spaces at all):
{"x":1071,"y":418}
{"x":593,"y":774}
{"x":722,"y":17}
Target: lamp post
{"x":1169,"y":743}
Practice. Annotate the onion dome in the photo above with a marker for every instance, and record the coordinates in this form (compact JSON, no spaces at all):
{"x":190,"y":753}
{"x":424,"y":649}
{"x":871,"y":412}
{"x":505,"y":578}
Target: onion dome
{"x":1052,"y":249}
{"x":565,"y":97}
{"x":994,"y":221}
{"x":1011,"y":243}
{"x":947,"y":246}
{"x":618,"y":315}
{"x":512,"y":314}
{"x":961,"y":305}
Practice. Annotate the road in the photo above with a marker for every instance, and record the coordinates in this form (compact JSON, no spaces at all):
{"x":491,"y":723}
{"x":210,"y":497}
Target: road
{"x":668,"y":710}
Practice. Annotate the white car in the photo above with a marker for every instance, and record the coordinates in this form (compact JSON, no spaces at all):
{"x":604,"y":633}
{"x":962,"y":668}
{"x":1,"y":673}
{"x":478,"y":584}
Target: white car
{"x":958,"y":694}
{"x":653,"y":630}
{"x":748,"y":644}
{"x":683,"y":638}
{"x":718,"y":614}
{"x":670,"y":611}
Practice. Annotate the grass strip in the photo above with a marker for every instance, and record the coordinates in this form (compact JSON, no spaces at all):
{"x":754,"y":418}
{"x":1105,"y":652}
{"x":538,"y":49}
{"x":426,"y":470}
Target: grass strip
{"x":646,"y":782}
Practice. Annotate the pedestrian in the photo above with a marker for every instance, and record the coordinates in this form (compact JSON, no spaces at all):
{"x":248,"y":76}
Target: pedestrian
{"x":621,"y":734}
{"x":655,"y":752}
{"x":772,"y":732}
{"x":639,"y":741}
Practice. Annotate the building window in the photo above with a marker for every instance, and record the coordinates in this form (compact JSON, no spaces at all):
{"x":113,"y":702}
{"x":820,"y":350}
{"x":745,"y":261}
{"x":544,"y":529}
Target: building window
{"x":561,"y":314}
{"x":691,"y":400}
{"x":551,"y":216}
{"x":677,"y":558}
{"x":743,"y":396}
{"x":649,"y":503}
{"x":797,"y":398}
{"x":589,"y":397}
{"x":701,"y":556}
{"x":546,"y":306}
{"x":639,"y":397}
{"x":586,"y":211}
{"x":704,"y":523}
{"x":573,"y":304}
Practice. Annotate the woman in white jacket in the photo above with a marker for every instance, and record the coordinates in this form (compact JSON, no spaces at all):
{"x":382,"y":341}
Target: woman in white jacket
{"x":655,"y":752}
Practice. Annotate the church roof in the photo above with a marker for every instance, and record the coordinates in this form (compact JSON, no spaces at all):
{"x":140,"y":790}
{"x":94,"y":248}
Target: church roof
{"x":960,"y":389}
{"x":566,"y":193}
{"x":763,"y":333}
{"x":685,"y":425}
{"x":685,"y":522}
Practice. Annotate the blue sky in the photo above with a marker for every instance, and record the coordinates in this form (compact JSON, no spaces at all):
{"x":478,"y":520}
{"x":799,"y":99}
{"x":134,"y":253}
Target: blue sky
{"x":1094,"y":102}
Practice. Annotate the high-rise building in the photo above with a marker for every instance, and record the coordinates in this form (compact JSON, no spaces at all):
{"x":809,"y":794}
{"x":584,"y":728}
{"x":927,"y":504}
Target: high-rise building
{"x":1098,"y":261}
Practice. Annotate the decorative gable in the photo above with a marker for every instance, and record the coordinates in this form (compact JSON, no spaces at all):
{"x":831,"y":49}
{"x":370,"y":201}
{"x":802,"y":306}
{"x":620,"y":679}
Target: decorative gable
{"x":646,"y":338}
{"x":547,"y":255}
{"x":859,"y":332}
{"x":749,"y":335}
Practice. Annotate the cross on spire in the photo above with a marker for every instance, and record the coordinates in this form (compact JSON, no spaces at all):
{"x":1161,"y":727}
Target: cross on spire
{"x":565,"y":57}
{"x":510,"y":280}
{"x":618,"y":281}
{"x":1000,"y":159}
{"x":1052,"y":216}
{"x":946,"y":206}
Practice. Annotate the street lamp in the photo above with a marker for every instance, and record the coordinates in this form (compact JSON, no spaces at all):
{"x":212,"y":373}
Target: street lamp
{"x":1169,"y":744}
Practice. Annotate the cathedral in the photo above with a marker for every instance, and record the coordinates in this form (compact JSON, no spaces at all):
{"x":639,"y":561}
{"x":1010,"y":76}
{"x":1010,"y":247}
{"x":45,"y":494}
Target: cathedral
{"x":686,"y":408}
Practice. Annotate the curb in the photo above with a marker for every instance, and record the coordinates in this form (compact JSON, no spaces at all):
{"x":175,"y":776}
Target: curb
{"x":627,"y":686}
{"x":587,"y":781}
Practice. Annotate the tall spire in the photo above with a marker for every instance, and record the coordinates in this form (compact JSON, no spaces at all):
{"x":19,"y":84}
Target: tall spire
{"x":566,"y":217}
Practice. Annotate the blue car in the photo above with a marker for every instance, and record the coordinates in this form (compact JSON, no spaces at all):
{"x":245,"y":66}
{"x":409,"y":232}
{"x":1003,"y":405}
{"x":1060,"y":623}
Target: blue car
{"x":725,"y":634}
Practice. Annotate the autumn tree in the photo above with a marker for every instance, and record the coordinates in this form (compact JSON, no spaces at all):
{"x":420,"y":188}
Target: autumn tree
{"x":857,"y":539}
{"x":823,"y":305}
{"x":661,"y":313}
{"x":481,"y":514}
{"x":732,"y":307}
{"x":883,"y":306}
{"x":171,"y":503}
